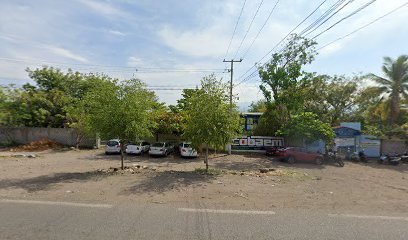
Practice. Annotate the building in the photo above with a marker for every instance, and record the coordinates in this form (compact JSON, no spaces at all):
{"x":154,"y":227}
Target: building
{"x":349,"y":136}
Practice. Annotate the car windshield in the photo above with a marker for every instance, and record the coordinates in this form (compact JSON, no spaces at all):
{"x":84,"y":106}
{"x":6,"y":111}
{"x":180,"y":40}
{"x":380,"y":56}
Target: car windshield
{"x":186,"y":145}
{"x":112,"y":143}
{"x":159,"y":144}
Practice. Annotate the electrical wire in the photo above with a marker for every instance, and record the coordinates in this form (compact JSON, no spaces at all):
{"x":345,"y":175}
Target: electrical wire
{"x":344,"y":18}
{"x":235,"y":29}
{"x":307,"y":17}
{"x":366,"y":25}
{"x":112,"y":68}
{"x":249,"y":27}
{"x":331,"y":9}
{"x":260,"y":30}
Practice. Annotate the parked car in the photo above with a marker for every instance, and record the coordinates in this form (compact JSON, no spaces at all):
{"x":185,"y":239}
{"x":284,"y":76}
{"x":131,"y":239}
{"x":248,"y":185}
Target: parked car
{"x":186,"y":150}
{"x":137,"y":148}
{"x":293,"y":154}
{"x":161,"y":149}
{"x":273,"y":150}
{"x":113,"y":146}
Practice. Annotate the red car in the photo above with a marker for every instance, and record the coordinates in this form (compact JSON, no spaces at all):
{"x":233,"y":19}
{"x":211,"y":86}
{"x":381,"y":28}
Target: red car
{"x":273,"y":150}
{"x":293,"y":154}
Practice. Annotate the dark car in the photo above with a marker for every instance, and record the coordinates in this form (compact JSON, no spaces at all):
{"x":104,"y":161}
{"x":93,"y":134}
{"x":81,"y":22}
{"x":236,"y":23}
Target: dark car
{"x":293,"y":154}
{"x":273,"y":150}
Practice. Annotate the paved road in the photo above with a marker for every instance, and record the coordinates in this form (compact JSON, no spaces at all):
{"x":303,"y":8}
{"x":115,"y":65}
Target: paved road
{"x":52,"y":220}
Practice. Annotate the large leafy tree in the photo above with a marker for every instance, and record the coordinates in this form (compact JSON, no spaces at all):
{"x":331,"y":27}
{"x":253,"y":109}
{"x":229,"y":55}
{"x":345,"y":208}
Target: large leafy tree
{"x":394,"y":83}
{"x":209,"y":121}
{"x":258,"y":106}
{"x":333,"y":99}
{"x":120,"y":110}
{"x":284,"y":72}
{"x":44,"y":104}
{"x":284,"y":80}
{"x":308,"y":127}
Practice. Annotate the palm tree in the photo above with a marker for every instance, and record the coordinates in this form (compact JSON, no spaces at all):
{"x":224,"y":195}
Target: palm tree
{"x":394,"y":84}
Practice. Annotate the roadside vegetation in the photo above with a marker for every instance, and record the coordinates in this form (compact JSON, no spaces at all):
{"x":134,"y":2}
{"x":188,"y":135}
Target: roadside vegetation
{"x":296,"y":103}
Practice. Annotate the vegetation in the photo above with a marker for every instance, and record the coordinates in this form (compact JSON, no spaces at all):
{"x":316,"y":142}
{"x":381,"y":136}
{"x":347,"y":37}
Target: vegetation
{"x":209,"y":121}
{"x":394,"y":85}
{"x":296,"y":103}
{"x":308,"y":127}
{"x":119,"y":110}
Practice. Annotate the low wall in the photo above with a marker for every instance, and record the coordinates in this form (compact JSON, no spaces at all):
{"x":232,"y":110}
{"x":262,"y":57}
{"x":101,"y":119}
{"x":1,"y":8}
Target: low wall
{"x":392,"y":146}
{"x":65,"y":136}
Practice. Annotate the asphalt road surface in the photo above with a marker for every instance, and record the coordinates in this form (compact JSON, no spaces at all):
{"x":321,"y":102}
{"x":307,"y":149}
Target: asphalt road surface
{"x":20,"y":219}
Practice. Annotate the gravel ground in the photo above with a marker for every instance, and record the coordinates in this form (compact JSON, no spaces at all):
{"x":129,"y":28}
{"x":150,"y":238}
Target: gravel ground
{"x":89,"y":176}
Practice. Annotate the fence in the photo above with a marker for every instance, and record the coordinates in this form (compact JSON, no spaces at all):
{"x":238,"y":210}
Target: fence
{"x":65,"y":136}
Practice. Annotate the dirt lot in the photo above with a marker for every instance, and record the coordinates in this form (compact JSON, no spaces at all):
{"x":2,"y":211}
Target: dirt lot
{"x":85,"y":176}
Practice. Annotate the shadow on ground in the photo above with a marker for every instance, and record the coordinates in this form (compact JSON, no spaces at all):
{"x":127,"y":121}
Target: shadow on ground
{"x":173,"y":158}
{"x":262,"y":162}
{"x":372,"y":163}
{"x":168,"y":180}
{"x":46,"y":182}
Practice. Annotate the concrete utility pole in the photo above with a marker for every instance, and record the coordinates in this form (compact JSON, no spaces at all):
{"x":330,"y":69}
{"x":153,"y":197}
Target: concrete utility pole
{"x":232,"y":75}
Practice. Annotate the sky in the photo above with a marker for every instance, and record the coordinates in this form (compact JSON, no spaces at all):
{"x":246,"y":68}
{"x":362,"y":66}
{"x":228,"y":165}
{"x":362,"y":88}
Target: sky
{"x":173,"y":44}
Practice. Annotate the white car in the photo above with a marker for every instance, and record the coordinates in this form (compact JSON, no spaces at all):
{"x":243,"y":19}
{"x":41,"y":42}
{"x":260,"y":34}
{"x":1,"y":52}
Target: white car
{"x":186,"y":150}
{"x":161,"y":149}
{"x":113,"y":146}
{"x":137,"y":148}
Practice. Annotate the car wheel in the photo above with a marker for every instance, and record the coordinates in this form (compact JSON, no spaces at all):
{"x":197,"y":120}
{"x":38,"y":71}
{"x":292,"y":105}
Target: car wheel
{"x":291,"y":160}
{"x":106,"y":153}
{"x":319,"y":160}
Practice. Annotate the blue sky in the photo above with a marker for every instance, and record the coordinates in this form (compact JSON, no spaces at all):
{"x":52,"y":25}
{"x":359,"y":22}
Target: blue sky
{"x":175,"y":43}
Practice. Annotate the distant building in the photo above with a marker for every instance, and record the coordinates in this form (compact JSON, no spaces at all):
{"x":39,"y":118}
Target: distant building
{"x":249,"y":120}
{"x":349,"y":136}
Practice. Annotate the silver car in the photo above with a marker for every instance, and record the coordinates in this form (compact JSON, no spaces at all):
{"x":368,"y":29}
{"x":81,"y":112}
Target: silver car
{"x":161,"y":149}
{"x":137,"y":148}
{"x":113,"y":146}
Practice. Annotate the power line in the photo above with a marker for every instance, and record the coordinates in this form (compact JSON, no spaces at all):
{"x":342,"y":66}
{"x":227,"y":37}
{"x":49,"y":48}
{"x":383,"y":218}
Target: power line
{"x":249,"y":27}
{"x":323,"y":16}
{"x":307,"y":17}
{"x":235,"y":28}
{"x":314,"y":26}
{"x":260,"y":30}
{"x":366,"y":25}
{"x":111,"y":68}
{"x":317,"y":8}
{"x":344,"y":18}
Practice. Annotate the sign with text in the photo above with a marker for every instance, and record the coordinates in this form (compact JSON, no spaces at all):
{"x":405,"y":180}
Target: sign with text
{"x":255,"y":143}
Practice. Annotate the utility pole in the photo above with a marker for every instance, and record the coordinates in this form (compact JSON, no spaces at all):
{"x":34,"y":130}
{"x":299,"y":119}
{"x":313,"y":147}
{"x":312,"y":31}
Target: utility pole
{"x":232,"y":75}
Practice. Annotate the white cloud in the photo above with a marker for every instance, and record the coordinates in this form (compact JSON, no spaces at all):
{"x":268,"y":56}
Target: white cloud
{"x":67,"y":54}
{"x":102,"y":8}
{"x":117,"y":33}
{"x":208,"y":42}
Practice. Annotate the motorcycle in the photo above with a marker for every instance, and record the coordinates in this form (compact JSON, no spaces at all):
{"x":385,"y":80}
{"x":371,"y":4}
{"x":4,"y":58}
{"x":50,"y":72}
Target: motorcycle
{"x":358,"y":156}
{"x":332,"y":157}
{"x":388,"y":159}
{"x":404,"y":157}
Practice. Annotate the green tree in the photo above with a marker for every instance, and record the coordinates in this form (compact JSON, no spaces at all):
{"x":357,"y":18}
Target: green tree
{"x":284,"y":81}
{"x":120,"y":110}
{"x":308,"y":127}
{"x":167,"y":122}
{"x":394,"y":84}
{"x":332,"y":98}
{"x":208,"y":118}
{"x":283,"y":77}
{"x":258,"y":106}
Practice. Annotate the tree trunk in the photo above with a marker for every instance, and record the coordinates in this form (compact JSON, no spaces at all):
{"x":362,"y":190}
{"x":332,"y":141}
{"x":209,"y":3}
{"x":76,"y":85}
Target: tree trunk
{"x":206,"y":159}
{"x":394,"y":108}
{"x":122,"y":155}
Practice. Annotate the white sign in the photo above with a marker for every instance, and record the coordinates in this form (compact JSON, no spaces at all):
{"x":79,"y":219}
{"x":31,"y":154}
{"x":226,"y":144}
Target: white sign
{"x":344,"y":142}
